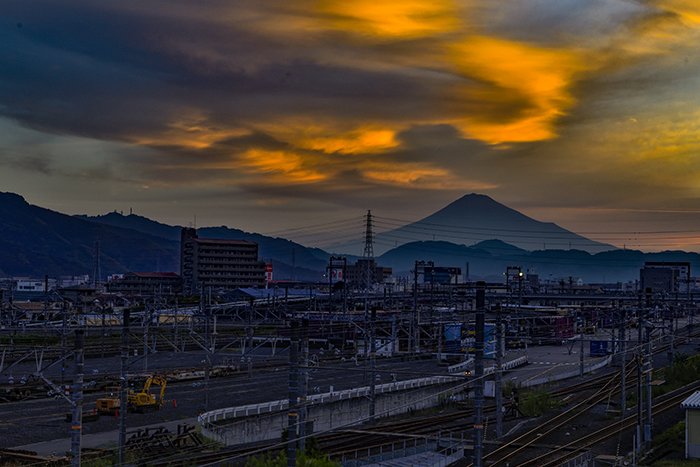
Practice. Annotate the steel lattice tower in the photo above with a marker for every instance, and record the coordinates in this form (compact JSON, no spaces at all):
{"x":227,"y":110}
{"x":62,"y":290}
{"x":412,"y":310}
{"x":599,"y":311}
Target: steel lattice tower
{"x":369,"y":238}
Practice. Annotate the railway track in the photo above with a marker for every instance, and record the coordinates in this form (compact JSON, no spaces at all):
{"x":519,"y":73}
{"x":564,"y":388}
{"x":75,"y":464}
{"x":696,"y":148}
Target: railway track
{"x":338,"y":444}
{"x":535,"y":435}
{"x":554,"y":457}
{"x":507,"y":451}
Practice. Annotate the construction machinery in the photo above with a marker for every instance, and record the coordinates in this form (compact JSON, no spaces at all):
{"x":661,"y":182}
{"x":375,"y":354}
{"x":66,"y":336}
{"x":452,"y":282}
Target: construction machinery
{"x":137,"y":401}
{"x":144,"y":400}
{"x":109,"y":404}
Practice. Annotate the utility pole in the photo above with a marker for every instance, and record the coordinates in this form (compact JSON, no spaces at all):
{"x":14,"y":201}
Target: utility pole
{"x":64,"y":323}
{"x":208,"y":352}
{"x":671,"y":333}
{"x":77,"y":399}
{"x":623,"y":371}
{"x":640,"y":394}
{"x":293,"y":389}
{"x":414,"y":318}
{"x":581,"y":350}
{"x":499,"y":373}
{"x":331,"y":272}
{"x":146,"y":324}
{"x":479,"y":372}
{"x":123,"y":386}
{"x":303,"y":384}
{"x":648,"y":371}
{"x":98,"y":271}
{"x":249,"y":330}
{"x":373,"y":365}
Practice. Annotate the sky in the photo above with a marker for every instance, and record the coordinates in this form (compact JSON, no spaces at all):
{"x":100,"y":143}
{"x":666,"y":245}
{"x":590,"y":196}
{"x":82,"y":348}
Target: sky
{"x":272,"y":115}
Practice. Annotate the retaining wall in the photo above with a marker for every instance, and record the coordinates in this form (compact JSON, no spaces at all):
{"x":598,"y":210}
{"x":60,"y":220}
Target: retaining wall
{"x":267,"y":421}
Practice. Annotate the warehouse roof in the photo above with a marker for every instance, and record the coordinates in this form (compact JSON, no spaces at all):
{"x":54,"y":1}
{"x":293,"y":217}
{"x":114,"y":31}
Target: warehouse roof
{"x":692,"y":402}
{"x":157,"y":275}
{"x":223,"y":241}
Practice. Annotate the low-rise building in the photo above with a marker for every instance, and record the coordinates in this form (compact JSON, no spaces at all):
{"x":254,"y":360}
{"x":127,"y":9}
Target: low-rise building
{"x":692,"y":425}
{"x":146,"y":284}
{"x":442,"y":275}
{"x":356,"y":274}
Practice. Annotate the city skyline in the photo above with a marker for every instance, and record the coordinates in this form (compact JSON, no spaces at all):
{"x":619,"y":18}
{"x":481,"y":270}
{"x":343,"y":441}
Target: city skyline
{"x":267,"y":115}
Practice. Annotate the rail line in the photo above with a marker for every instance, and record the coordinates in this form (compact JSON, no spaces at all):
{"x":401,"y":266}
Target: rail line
{"x":668,"y":401}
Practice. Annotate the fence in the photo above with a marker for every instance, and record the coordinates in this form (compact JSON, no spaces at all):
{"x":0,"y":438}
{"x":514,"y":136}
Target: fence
{"x":219,"y":415}
{"x":569,"y":374}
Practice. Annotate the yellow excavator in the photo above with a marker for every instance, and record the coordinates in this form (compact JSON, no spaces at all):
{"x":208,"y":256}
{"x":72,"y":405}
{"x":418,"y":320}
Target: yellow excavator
{"x":143,"y":400}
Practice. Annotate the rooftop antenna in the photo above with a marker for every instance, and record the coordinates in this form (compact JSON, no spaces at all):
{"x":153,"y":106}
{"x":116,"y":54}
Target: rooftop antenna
{"x":98,"y":273}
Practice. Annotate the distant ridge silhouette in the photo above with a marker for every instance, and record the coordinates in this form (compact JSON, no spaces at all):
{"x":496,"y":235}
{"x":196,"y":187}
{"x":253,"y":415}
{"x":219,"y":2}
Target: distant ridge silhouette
{"x":474,"y":218}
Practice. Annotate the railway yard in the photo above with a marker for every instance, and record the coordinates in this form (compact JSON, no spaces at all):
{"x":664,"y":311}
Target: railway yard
{"x":243,"y":355}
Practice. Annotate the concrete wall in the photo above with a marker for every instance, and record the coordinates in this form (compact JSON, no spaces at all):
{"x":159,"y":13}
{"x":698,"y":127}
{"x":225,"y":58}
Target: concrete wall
{"x":692,"y":433}
{"x":330,"y":415}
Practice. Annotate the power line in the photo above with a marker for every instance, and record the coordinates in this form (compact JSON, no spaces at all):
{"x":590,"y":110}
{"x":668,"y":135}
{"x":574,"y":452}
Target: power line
{"x":640,"y":232}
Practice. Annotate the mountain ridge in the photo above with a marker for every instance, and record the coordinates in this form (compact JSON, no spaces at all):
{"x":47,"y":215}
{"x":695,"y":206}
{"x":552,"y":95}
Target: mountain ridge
{"x":35,"y":241}
{"x":495,"y":220}
{"x":473,"y":218}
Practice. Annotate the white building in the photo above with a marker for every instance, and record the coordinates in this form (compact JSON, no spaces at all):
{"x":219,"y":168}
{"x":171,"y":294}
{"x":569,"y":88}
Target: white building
{"x":692,"y":426}
{"x":26,"y":284}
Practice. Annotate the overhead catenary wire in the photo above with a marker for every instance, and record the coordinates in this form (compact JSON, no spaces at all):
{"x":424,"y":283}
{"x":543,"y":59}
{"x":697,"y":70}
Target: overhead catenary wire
{"x":338,"y":231}
{"x":527,"y":258}
{"x":403,"y":222}
{"x":485,"y":234}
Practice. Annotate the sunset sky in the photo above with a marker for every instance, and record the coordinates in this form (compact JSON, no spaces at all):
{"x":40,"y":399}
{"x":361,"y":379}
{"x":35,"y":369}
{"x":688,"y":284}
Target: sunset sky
{"x":268,"y":115}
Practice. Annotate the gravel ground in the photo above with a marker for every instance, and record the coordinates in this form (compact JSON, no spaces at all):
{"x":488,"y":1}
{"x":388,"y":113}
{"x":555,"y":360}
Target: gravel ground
{"x":44,"y":419}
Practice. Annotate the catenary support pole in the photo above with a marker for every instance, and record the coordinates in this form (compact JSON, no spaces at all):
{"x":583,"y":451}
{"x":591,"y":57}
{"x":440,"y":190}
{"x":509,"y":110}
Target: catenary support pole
{"x":123,"y":386}
{"x":414,"y":317}
{"x":640,"y":394}
{"x":77,"y":399}
{"x":623,"y":370}
{"x":293,"y":389}
{"x":648,"y":374}
{"x":373,"y":365}
{"x":581,"y":350}
{"x":303,"y":384}
{"x":479,"y":373}
{"x":498,"y":390}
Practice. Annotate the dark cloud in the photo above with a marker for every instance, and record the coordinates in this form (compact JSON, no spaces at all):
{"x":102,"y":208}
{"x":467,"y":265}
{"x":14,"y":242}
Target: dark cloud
{"x":309,"y":105}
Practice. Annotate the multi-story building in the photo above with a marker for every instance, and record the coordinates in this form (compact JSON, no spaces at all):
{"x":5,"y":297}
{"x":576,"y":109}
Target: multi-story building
{"x":665,"y":276}
{"x":219,"y":264}
{"x":146,"y":283}
{"x":441,"y":275}
{"x":356,"y":274}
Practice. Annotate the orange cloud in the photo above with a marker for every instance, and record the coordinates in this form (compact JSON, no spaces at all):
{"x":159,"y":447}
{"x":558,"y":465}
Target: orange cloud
{"x":418,"y":175}
{"x":687,"y":10}
{"x":193,"y":132}
{"x":403,"y":174}
{"x":356,"y":142}
{"x":278,"y":167}
{"x":392,"y":18}
{"x":542,"y":76}
{"x":332,"y":137}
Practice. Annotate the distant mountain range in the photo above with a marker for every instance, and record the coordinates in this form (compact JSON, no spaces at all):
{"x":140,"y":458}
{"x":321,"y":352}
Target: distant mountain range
{"x":35,"y":241}
{"x":489,"y":259}
{"x":474,"y":218}
{"x":289,"y":259}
